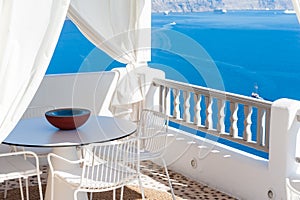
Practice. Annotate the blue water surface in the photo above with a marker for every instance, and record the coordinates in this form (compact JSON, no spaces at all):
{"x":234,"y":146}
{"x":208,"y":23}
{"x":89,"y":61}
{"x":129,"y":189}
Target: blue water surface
{"x":249,"y":48}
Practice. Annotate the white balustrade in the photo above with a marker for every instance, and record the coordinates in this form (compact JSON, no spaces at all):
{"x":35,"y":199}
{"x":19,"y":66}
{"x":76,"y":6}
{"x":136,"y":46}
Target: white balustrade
{"x":225,"y":102}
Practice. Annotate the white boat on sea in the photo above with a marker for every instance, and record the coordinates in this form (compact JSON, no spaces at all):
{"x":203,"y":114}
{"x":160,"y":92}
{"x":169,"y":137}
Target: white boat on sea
{"x":260,"y":160}
{"x":167,"y":12}
{"x":221,"y":11}
{"x":256,"y":95}
{"x":289,"y":12}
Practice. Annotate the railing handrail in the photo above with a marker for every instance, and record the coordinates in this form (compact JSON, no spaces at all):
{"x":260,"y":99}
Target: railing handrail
{"x":213,"y":92}
{"x":223,"y":99}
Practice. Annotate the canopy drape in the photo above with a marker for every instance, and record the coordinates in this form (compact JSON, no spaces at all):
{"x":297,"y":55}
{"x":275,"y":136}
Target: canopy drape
{"x":296,"y":4}
{"x":122,"y":29}
{"x":29,"y":31}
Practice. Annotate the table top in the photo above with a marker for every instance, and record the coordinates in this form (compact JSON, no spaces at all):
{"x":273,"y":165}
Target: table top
{"x":38,"y":132}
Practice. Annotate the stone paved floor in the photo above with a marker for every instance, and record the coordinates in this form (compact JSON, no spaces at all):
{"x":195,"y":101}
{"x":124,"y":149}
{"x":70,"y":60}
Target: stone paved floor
{"x":154,"y":177}
{"x":183,"y":187}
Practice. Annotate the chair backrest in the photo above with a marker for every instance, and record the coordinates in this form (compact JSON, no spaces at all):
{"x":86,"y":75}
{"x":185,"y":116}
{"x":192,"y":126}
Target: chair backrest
{"x":110,"y":165}
{"x":152,"y":131}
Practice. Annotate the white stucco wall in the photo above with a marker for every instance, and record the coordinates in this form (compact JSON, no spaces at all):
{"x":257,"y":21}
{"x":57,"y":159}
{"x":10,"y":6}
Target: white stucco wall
{"x":86,"y":90}
{"x":237,"y":173}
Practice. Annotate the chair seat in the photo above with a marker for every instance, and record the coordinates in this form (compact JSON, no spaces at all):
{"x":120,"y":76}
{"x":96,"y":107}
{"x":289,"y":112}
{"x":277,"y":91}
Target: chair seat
{"x":14,"y":167}
{"x":74,"y":178}
{"x":145,"y":155}
{"x":4,"y":148}
{"x":41,"y":152}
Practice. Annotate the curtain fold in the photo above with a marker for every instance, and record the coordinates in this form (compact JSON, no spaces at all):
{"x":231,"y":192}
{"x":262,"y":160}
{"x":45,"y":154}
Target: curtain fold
{"x":296,"y":4}
{"x":122,"y":29}
{"x":29,"y":31}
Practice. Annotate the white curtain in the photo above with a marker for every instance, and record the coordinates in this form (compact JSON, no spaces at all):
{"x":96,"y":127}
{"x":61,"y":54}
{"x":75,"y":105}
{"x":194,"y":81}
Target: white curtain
{"x":296,"y":4}
{"x":29,"y":31}
{"x":121,"y":28}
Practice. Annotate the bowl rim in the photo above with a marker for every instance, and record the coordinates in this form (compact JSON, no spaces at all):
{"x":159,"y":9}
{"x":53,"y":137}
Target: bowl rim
{"x":51,"y":112}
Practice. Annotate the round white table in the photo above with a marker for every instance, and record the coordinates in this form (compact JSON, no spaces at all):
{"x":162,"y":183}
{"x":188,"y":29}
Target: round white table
{"x":38,"y":132}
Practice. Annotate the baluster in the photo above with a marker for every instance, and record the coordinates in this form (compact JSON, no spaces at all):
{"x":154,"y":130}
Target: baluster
{"x":208,"y":121}
{"x":161,"y":90}
{"x":233,"y":119}
{"x":176,"y":112}
{"x":221,"y":116}
{"x":163,"y":99}
{"x":166,"y":92}
{"x":197,"y":109}
{"x":186,"y":115}
{"x":260,"y":129}
{"x":267,"y":128}
{"x":263,"y":127}
{"x":247,"y":135}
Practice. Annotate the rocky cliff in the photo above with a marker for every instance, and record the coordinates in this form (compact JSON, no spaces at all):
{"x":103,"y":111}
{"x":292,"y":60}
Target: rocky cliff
{"x":210,"y":5}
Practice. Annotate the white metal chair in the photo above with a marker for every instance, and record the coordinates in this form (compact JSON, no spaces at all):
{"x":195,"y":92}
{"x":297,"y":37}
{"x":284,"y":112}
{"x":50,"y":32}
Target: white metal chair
{"x":5,"y":149}
{"x":105,"y":166}
{"x":31,"y":112}
{"x":14,"y":165}
{"x":152,"y":133}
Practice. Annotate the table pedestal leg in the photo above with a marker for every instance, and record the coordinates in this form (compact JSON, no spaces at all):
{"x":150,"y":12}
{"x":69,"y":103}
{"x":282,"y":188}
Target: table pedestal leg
{"x":61,"y":190}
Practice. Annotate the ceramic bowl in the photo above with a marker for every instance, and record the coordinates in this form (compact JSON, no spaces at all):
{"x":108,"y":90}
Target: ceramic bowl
{"x":67,"y":118}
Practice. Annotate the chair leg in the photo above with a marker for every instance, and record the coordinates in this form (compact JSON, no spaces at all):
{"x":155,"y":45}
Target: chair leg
{"x":5,"y":189}
{"x":21,"y":188}
{"x":169,"y":180}
{"x":75,"y":194}
{"x":52,"y":186}
{"x":114,"y":194}
{"x":40,"y":186}
{"x":27,"y":189}
{"x":141,"y":186}
{"x":122,"y":192}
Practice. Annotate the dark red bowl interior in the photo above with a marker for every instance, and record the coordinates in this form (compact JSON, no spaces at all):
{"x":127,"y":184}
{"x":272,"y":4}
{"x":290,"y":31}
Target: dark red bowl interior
{"x":67,"y":118}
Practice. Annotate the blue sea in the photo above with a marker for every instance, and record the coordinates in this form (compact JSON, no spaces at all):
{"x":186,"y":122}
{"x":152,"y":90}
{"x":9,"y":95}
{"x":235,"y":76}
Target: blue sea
{"x":248,"y":50}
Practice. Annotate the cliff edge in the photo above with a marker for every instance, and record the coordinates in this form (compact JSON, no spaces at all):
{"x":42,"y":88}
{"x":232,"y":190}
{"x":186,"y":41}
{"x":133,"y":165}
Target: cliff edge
{"x":210,"y":5}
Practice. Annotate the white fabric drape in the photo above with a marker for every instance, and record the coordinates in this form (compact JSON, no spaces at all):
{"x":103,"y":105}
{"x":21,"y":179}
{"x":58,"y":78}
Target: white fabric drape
{"x":29,"y":31}
{"x":121,"y":28}
{"x":296,"y":4}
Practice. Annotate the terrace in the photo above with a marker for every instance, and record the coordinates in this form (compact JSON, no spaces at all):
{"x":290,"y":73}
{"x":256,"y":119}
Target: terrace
{"x":206,"y":148}
{"x":225,"y":145}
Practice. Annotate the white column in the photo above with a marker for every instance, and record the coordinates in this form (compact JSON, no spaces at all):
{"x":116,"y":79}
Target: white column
{"x":284,"y":129}
{"x":151,"y":92}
